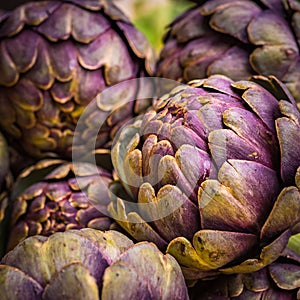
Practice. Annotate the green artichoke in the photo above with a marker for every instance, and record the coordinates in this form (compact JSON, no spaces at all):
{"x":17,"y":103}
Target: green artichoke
{"x":280,"y":280}
{"x":55,"y":195}
{"x":211,"y":172}
{"x":236,"y":39}
{"x":77,"y":49}
{"x":89,"y":264}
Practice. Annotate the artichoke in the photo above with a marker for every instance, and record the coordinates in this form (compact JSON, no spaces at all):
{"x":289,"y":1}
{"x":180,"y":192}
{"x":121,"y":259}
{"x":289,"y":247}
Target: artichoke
{"x":279,"y":280}
{"x":211,"y":173}
{"x":236,"y":39}
{"x":89,"y":264}
{"x":55,"y":195}
{"x":77,"y":49}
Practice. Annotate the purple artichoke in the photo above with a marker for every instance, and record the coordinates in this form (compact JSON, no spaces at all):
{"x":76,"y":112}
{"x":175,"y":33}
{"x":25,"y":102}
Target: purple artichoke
{"x":77,"y":49}
{"x":236,"y":39}
{"x":89,"y":264}
{"x":55,"y":195}
{"x":210,"y":172}
{"x":280,"y":280}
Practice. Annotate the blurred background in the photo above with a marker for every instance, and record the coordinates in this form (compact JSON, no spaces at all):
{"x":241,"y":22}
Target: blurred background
{"x":150,"y":17}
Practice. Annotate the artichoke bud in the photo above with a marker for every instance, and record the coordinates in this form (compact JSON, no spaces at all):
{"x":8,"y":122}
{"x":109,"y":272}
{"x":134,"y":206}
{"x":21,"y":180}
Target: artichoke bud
{"x":236,"y":39}
{"x":54,"y":195}
{"x":89,"y":264}
{"x":210,"y":166}
{"x":77,"y":50}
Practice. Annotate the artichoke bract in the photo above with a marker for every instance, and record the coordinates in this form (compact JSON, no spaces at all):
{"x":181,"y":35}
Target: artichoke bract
{"x":77,"y":49}
{"x":212,"y":172}
{"x":279,"y":280}
{"x":89,"y":264}
{"x":236,"y":39}
{"x":55,"y":195}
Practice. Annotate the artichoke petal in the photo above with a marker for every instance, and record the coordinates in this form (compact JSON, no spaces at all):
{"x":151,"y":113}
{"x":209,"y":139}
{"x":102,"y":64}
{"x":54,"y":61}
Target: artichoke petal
{"x":29,"y":54}
{"x":181,"y":135}
{"x":133,"y":223}
{"x":210,"y":250}
{"x":186,"y":255}
{"x":195,"y":164}
{"x":133,"y":170}
{"x":212,"y":6}
{"x":290,"y":152}
{"x":73,"y":279}
{"x":9,"y":74}
{"x":113,"y":283}
{"x":41,"y":73}
{"x":62,"y":92}
{"x":233,"y":63}
{"x":265,"y":143}
{"x":171,"y":174}
{"x":234,"y":19}
{"x":63,"y":63}
{"x":112,"y":243}
{"x":263,"y":103}
{"x":58,"y":25}
{"x":187,"y":27}
{"x":221,"y":84}
{"x":225,"y":144}
{"x":90,"y":27}
{"x":268,"y":255}
{"x":198,"y":55}
{"x":233,"y":203}
{"x":274,"y":30}
{"x":154,"y":171}
{"x":220,"y":209}
{"x":30,"y":101}
{"x":286,"y":276}
{"x":109,"y":51}
{"x":87,"y":85}
{"x":169,"y":211}
{"x":265,"y":60}
{"x":257,"y":281}
{"x":213,"y":246}
{"x":25,"y":287}
{"x":139,"y":45}
{"x":285,"y":213}
{"x":152,"y":261}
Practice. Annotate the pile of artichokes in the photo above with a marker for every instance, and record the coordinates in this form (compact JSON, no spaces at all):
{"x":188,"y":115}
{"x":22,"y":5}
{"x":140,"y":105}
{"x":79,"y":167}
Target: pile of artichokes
{"x":130,"y":175}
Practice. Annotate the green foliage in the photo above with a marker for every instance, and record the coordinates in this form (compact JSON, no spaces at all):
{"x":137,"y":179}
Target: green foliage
{"x":153,"y":21}
{"x":294,"y":243}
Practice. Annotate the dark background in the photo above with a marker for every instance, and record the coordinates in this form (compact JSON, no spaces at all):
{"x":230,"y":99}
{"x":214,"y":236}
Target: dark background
{"x":11,"y":4}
